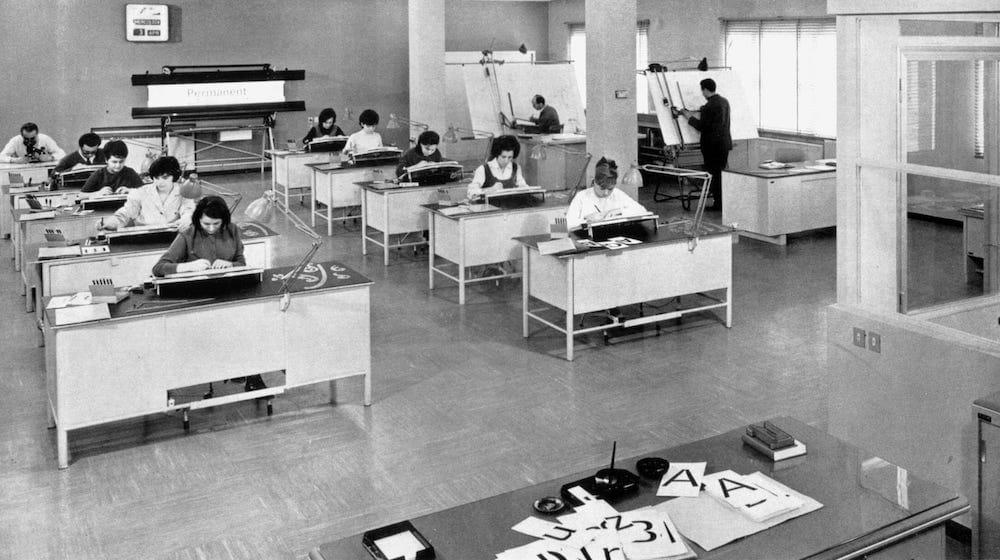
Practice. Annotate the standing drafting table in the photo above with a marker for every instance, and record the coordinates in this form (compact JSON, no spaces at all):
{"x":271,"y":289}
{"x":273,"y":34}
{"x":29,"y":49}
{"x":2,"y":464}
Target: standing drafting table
{"x":768,"y":204}
{"x":289,"y":172}
{"x":108,"y":370}
{"x":663,"y":266}
{"x":871,"y":508}
{"x":335,"y":186}
{"x":474,"y":235}
{"x":126,"y":264}
{"x":390,"y":209}
{"x":71,"y":225}
{"x":37,"y":173}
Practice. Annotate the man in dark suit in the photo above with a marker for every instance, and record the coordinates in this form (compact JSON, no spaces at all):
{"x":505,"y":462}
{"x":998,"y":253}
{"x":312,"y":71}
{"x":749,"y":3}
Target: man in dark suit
{"x":547,"y":120}
{"x":716,"y":140}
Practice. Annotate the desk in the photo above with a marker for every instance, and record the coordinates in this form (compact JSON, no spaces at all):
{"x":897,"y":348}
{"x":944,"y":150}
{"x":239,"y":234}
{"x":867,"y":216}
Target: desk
{"x":973,"y":239}
{"x":335,"y":185}
{"x":859,"y":517}
{"x":72,"y":226}
{"x":663,"y":266}
{"x":127,"y":264}
{"x":289,"y":171}
{"x":479,"y":238}
{"x":768,"y":204}
{"x":36,"y":172}
{"x":558,"y":170}
{"x":123,"y":367}
{"x":391,"y":210}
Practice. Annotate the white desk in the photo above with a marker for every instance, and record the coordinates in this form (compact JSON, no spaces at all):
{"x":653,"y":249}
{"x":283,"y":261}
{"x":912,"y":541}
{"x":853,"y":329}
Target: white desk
{"x":72,"y":226}
{"x":123,"y":367}
{"x":664,"y":266}
{"x":480,"y":238}
{"x":768,"y":204}
{"x":36,"y":172}
{"x":289,"y":172}
{"x":126,"y":265}
{"x":335,"y":185}
{"x":389,"y":209}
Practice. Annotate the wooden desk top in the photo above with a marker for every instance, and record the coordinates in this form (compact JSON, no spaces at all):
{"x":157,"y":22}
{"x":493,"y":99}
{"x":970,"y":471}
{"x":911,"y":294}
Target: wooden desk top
{"x":316,"y":277}
{"x":60,"y":216}
{"x":515,"y":204}
{"x":392,"y":186}
{"x":865,"y":501}
{"x":797,"y":168}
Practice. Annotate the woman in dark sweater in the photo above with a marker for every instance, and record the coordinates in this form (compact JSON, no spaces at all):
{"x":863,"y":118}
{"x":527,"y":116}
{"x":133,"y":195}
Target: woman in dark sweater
{"x":212,"y":241}
{"x":326,"y":125}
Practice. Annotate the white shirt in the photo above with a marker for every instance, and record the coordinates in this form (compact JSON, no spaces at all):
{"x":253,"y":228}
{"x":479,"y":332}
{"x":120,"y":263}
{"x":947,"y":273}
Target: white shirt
{"x":15,"y":148}
{"x":476,"y":187}
{"x":587,"y":202}
{"x":362,"y":141}
{"x":144,"y":206}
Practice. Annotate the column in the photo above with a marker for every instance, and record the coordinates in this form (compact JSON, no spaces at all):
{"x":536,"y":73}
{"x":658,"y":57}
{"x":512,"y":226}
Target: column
{"x":426,"y":28}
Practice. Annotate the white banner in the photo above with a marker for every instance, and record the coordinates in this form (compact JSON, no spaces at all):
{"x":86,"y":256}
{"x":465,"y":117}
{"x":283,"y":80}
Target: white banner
{"x":221,"y":93}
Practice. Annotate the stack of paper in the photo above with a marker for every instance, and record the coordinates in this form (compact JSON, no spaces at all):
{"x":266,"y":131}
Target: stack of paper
{"x":77,"y":308}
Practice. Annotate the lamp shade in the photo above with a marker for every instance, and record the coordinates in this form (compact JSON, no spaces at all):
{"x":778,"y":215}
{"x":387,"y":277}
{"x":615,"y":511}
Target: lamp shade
{"x":633,"y":177}
{"x":191,"y":187}
{"x":262,"y":209}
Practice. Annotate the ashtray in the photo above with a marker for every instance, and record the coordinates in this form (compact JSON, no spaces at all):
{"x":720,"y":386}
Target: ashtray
{"x":652,"y":467}
{"x":549,"y":505}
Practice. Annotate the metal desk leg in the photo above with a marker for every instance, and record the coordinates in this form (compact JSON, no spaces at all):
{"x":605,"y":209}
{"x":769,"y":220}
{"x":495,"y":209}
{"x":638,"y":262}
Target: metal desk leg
{"x":525,"y":289}
{"x":385,"y":234}
{"x":569,"y":308}
{"x":461,"y":262}
{"x":430,"y":250}
{"x":364,"y":222}
{"x":329,"y":206}
{"x":368,"y":387}
{"x":729,"y":306}
{"x":312,"y":199}
{"x":62,"y":448}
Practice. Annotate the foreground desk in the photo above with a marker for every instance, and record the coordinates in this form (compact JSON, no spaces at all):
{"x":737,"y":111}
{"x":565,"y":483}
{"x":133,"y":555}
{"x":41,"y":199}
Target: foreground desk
{"x":70,"y":224}
{"x":37,"y":173}
{"x":667,"y":264}
{"x":476,"y":238}
{"x":389,"y":210}
{"x":335,"y":185}
{"x":123,"y":367}
{"x":870,"y":508}
{"x":769,"y":204}
{"x":289,"y":172}
{"x":126,"y":264}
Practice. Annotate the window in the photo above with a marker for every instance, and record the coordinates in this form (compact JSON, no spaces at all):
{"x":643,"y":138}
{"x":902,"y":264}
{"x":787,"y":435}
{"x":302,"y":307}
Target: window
{"x":788,"y":71}
{"x":979,"y":116}
{"x":578,"y":54}
{"x":921,"y":104}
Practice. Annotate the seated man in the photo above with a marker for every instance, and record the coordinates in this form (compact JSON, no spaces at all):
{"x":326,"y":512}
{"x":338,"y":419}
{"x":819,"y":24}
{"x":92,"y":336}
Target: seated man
{"x":547,"y":120}
{"x":89,"y":153}
{"x":603,"y":201}
{"x":116,"y":177}
{"x":31,"y":146}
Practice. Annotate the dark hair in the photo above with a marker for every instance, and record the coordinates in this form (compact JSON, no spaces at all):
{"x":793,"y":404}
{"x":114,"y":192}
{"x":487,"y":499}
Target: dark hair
{"x":369,"y":117}
{"x":707,"y":83}
{"x":606,"y":172}
{"x":325,"y":115}
{"x":503,"y":144}
{"x":538,"y":99}
{"x":89,"y":139}
{"x":116,"y":148}
{"x":165,"y":165}
{"x":29,"y":127}
{"x":428,"y":138}
{"x":215,"y":208}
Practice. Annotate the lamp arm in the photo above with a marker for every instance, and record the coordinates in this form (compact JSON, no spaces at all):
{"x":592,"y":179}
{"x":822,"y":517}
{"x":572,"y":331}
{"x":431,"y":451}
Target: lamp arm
{"x":237,"y":197}
{"x":317,"y":241}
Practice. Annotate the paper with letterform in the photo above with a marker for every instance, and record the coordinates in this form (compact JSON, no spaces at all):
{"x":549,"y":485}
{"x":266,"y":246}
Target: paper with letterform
{"x":541,"y":529}
{"x":749,"y":498}
{"x":649,"y":534}
{"x":682,"y":479}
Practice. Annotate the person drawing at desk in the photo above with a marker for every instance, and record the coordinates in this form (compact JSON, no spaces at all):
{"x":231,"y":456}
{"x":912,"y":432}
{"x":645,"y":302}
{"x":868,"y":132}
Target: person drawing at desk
{"x":88,"y":153}
{"x":366,"y":138}
{"x":500,"y":171}
{"x":426,"y":150}
{"x":547,"y":120}
{"x":31,"y":146}
{"x":326,"y":126}
{"x":716,"y":139}
{"x":158,"y":203}
{"x":603,"y":201}
{"x":116,"y":177}
{"x":212,"y":242}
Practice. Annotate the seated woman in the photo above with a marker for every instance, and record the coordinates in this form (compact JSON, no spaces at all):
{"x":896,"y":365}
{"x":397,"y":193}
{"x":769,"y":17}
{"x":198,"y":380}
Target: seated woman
{"x":500,"y":171}
{"x":326,"y":126}
{"x":425,"y":150}
{"x":158,"y":203}
{"x":366,"y":138}
{"x":603,"y":201}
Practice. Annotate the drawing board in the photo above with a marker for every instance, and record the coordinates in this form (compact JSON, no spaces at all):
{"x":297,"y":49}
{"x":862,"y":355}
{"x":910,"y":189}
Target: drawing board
{"x":682,"y":89}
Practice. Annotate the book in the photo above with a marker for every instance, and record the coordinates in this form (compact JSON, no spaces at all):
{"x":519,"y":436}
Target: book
{"x":37,"y":215}
{"x":77,"y":308}
{"x":58,"y":252}
{"x":795,"y":450}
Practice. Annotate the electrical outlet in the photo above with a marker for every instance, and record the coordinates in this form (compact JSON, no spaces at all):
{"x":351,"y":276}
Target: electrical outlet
{"x":875,"y":342}
{"x":860,"y":337}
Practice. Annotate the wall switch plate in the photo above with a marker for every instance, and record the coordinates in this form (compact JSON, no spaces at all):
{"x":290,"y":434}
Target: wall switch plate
{"x":875,"y":342}
{"x":621,"y":94}
{"x":860,"y":338}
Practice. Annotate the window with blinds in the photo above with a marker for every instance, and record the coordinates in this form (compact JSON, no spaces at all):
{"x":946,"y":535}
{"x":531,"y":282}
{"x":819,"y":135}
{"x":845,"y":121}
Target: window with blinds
{"x":577,"y":50}
{"x":788,"y":69}
{"x":921,"y":104}
{"x":979,"y":116}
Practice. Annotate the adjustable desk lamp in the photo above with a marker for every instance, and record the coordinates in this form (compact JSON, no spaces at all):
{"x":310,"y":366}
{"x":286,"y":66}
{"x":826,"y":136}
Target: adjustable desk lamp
{"x":456,"y":133}
{"x":395,"y":120}
{"x":194,"y":188}
{"x":681,"y":174}
{"x":540,"y":152}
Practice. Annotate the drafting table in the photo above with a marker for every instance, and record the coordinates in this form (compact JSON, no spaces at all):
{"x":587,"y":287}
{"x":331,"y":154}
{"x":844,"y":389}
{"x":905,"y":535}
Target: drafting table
{"x":335,"y":186}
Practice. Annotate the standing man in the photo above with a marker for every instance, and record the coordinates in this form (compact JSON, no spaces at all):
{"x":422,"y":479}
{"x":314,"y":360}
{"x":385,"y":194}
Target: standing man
{"x":30,"y":146}
{"x":716,"y":140}
{"x":547,"y":120}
